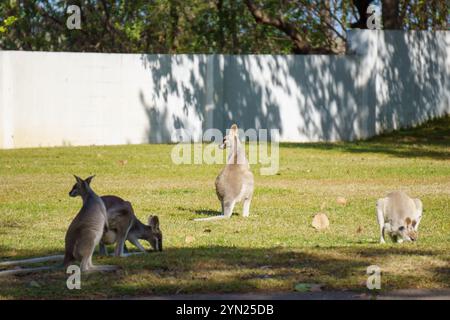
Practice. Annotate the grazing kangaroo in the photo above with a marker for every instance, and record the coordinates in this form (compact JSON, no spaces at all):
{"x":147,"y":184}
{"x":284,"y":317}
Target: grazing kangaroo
{"x":235,"y":182}
{"x":83,"y":234}
{"x":150,"y":232}
{"x":399,"y":216}
{"x":124,"y":225}
{"x":86,"y":229}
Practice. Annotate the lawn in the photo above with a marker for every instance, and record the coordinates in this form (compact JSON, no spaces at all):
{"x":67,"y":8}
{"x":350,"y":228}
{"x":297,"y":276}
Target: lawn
{"x":272,"y":250}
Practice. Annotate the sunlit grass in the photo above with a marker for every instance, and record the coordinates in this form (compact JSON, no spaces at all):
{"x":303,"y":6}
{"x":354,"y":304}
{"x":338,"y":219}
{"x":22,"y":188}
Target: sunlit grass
{"x":272,"y":250}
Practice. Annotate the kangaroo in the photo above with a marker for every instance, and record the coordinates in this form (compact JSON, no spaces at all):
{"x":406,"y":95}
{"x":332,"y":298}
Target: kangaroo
{"x":399,"y":216}
{"x":124,"y":225}
{"x":150,"y":232}
{"x":86,"y":229}
{"x":82,"y":236}
{"x":235,"y":182}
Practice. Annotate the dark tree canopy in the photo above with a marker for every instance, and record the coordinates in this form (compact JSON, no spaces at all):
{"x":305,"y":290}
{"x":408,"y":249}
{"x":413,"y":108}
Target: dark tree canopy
{"x":205,"y":26}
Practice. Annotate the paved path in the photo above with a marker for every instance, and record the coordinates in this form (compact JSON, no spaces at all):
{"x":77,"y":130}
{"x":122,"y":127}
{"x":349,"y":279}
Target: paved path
{"x":414,"y":294}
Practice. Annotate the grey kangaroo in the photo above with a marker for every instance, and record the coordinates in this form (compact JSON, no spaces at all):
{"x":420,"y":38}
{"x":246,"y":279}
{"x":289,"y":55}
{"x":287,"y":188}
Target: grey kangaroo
{"x":150,"y":232}
{"x":82,"y":236}
{"x":235,"y":182}
{"x":86,"y":229}
{"x":124,"y":225}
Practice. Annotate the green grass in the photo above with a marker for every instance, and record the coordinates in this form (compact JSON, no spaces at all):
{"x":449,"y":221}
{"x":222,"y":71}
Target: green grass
{"x":272,"y":250}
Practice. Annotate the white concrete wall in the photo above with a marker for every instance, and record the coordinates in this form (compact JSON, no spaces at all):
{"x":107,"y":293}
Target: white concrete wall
{"x":388,"y":80}
{"x":51,"y":99}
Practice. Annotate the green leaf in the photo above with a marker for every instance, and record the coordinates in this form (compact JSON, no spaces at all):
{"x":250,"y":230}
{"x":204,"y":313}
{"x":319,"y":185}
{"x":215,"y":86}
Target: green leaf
{"x":9,"y":21}
{"x":303,"y":287}
{"x":308,"y":287}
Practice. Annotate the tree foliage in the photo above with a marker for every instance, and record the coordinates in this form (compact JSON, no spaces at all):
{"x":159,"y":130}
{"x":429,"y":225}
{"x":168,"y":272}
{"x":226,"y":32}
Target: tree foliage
{"x":204,"y":26}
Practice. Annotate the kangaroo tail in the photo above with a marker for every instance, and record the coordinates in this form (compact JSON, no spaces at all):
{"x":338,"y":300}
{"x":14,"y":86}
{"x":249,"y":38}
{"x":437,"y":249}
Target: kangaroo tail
{"x":31,"y":260}
{"x":27,"y":270}
{"x":212,"y":218}
{"x":102,"y":268}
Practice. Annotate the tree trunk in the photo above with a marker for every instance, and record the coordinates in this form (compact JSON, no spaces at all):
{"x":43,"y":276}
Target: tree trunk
{"x":234,"y":28}
{"x":174,"y":20}
{"x":391,"y":14}
{"x":361,"y":6}
{"x":221,"y":32}
{"x":325,"y":17}
{"x":301,"y":45}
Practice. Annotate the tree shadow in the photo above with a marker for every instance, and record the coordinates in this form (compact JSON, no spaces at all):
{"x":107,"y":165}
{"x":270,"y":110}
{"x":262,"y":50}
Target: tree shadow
{"x":397,"y":79}
{"x":430,"y":140}
{"x":9,"y":225}
{"x":208,"y":212}
{"x":175,"y":96}
{"x":247,"y":101}
{"x":157,"y":130}
{"x":412,"y":74}
{"x":205,"y":212}
{"x":202,"y":269}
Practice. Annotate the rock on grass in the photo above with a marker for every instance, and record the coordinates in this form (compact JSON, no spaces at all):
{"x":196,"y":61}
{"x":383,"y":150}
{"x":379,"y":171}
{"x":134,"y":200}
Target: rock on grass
{"x":320,"y":221}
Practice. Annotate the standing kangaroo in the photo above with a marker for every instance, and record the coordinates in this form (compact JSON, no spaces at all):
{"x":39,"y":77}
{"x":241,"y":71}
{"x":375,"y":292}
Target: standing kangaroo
{"x":86,"y":229}
{"x":399,"y":216}
{"x":124,"y":225}
{"x":82,"y":237}
{"x":235,"y":182}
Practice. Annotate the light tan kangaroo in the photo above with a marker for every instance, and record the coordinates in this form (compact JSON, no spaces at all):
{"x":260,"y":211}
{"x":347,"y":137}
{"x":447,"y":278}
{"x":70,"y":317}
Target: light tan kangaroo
{"x":235,"y":182}
{"x":399,"y":216}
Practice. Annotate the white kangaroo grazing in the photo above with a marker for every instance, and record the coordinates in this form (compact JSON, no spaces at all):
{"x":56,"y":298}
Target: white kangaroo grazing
{"x":399,"y":216}
{"x":235,"y":182}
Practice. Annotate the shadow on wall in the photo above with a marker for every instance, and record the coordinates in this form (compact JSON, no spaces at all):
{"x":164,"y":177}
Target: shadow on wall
{"x":157,"y":129}
{"x":413,"y":79}
{"x":398,"y":81}
{"x":246,"y":101}
{"x":177,"y":98}
{"x":430,"y":140}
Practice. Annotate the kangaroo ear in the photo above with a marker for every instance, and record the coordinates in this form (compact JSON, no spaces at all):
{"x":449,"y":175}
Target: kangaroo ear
{"x":89,"y":179}
{"x":79,"y":180}
{"x":153,"y":222}
{"x":419,"y":205}
{"x":408,"y":221}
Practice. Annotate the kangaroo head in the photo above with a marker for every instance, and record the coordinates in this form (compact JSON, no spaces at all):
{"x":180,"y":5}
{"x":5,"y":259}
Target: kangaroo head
{"x":407,"y":231}
{"x":411,"y":229}
{"x":81,"y":186}
{"x":153,"y":234}
{"x":229,"y":139}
